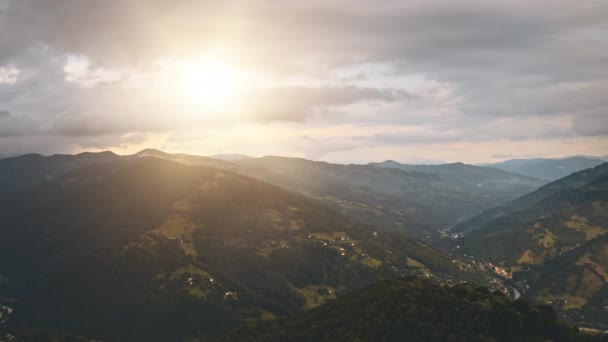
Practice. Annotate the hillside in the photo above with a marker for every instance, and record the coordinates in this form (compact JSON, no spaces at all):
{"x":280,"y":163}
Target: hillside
{"x":412,"y":309}
{"x":549,"y":169}
{"x":554,"y":240}
{"x":17,"y":173}
{"x":548,"y":193}
{"x":414,"y":202}
{"x":420,"y":202}
{"x":159,"y":251}
{"x":577,"y":283}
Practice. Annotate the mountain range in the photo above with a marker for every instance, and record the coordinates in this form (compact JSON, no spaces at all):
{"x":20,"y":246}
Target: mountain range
{"x":418,"y":202}
{"x":148,"y":246}
{"x":549,"y":169}
{"x":471,"y":178}
{"x":555,"y":240}
{"x":162,"y":246}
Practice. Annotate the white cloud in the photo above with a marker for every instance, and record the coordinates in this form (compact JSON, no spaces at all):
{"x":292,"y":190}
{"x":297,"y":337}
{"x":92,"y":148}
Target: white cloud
{"x":9,"y":75}
{"x":78,"y":70}
{"x":374,"y":78}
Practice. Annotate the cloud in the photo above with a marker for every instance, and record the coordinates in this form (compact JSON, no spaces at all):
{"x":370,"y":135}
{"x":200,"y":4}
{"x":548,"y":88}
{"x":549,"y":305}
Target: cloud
{"x":296,"y":103}
{"x":8,"y":75}
{"x":83,"y":72}
{"x":594,"y":125}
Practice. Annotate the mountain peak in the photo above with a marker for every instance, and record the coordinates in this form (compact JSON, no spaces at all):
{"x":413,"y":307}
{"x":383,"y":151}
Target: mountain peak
{"x":150,"y":152}
{"x":100,"y":154}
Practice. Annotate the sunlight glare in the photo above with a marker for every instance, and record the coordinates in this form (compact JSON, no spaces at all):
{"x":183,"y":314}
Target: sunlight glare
{"x":211,"y":81}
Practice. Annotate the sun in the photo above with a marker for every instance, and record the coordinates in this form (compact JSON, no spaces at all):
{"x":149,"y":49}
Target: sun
{"x":211,"y":81}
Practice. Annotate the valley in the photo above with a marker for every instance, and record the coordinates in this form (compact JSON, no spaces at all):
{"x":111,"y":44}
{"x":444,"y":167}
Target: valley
{"x":180,"y":237}
{"x":206,"y":241}
{"x":553,"y":242}
{"x":303,"y":171}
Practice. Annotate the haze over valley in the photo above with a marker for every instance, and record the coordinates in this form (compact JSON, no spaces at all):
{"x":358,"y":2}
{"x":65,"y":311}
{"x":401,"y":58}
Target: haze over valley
{"x":303,"y":171}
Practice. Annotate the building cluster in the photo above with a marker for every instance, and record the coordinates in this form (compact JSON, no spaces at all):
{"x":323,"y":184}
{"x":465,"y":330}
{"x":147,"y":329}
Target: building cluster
{"x":501,"y":271}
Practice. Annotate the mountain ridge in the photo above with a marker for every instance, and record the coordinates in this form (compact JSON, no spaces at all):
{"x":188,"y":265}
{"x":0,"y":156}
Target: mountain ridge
{"x":126,"y":244}
{"x":420,"y":203}
{"x":547,"y":168}
{"x":555,"y":241}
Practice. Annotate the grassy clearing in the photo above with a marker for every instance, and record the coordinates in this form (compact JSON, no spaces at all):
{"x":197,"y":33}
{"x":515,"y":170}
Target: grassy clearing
{"x":547,"y":239}
{"x":197,"y":293}
{"x":528,"y":257}
{"x":316,"y":295}
{"x":280,"y":221}
{"x":581,"y":224}
{"x":597,"y":268}
{"x":330,"y":237}
{"x":266,"y":315}
{"x":190,"y":270}
{"x":572,"y":302}
{"x":270,"y":246}
{"x":180,"y":228}
{"x":371,"y":262}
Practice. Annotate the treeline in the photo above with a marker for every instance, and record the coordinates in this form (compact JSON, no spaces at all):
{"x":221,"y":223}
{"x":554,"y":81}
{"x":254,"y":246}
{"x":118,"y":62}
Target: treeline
{"x":414,"y":309}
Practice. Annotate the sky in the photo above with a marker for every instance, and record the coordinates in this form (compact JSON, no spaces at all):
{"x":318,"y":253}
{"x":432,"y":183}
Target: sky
{"x":340,"y":81}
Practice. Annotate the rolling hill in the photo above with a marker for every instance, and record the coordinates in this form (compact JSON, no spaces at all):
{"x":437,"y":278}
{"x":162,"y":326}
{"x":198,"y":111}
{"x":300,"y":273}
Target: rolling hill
{"x":577,"y":283}
{"x":21,"y":172}
{"x":17,"y":173}
{"x":158,"y":250}
{"x":411,"y":309}
{"x":549,"y":169}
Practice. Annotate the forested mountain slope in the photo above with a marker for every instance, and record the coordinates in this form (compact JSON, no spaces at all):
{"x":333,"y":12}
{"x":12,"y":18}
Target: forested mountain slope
{"x":158,"y":250}
{"x":412,"y":309}
{"x":502,"y":184}
{"x":549,"y":169}
{"x":554,"y":240}
{"x":418,"y":203}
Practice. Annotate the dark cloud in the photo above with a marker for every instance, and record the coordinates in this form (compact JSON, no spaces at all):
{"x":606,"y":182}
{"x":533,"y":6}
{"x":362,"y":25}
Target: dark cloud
{"x":5,"y":114}
{"x":296,"y":103}
{"x":512,"y":70}
{"x":594,"y":125}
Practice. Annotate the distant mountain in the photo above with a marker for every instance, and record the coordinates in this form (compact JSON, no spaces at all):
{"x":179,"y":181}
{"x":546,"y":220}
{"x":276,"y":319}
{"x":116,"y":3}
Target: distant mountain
{"x":18,"y":173}
{"x":230,"y":157}
{"x":554,"y":239}
{"x":417,"y":202}
{"x":149,"y":249}
{"x":420,"y":201}
{"x":413,"y":309}
{"x":549,"y":169}
{"x":504,"y":184}
{"x":534,"y":202}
